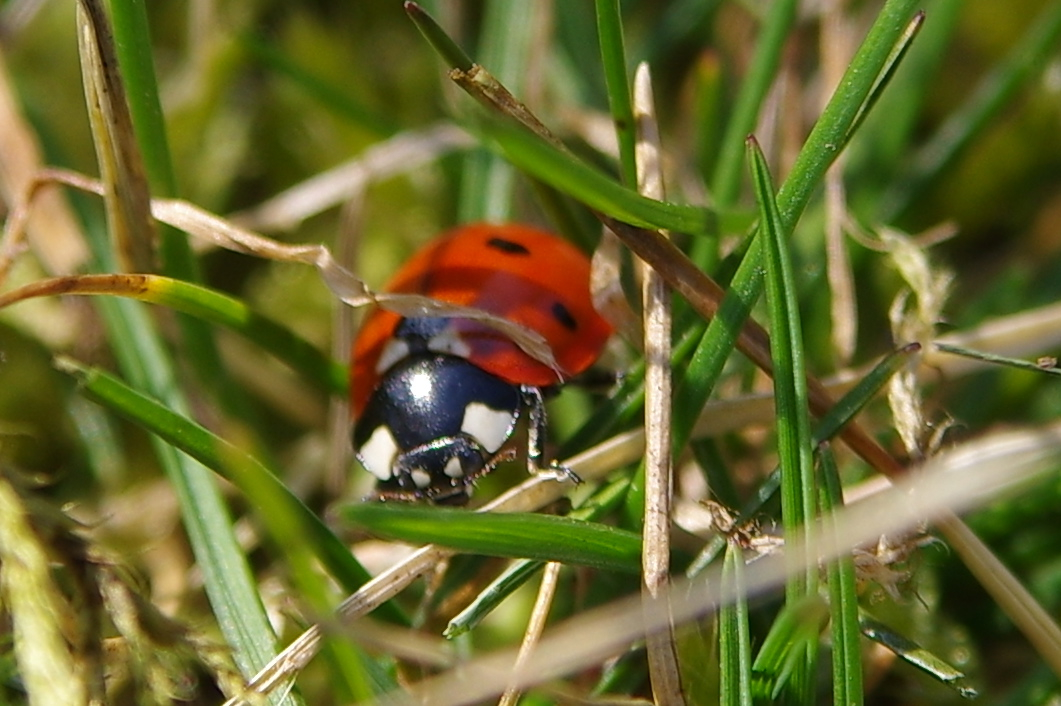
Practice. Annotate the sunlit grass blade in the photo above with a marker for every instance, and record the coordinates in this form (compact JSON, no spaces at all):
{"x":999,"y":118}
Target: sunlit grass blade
{"x":203,"y":303}
{"x":225,"y":459}
{"x":843,"y":597}
{"x":916,"y":655}
{"x":516,"y":535}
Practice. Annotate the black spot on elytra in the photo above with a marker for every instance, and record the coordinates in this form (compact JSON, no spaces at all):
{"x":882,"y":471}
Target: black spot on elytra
{"x":561,"y":314}
{"x":508,"y":247}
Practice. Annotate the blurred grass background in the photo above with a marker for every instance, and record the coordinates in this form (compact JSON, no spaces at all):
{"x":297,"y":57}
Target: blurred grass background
{"x":261,"y":96}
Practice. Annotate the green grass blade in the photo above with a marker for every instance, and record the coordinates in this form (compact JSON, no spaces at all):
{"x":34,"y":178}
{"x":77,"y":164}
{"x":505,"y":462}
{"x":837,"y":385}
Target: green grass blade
{"x":885,"y":139}
{"x":204,"y":304}
{"x":862,"y":392}
{"x":586,"y":184}
{"x":1046,"y":366}
{"x":828,"y":426}
{"x":794,"y":632}
{"x":845,"y":107}
{"x":798,"y":495}
{"x":734,"y":636}
{"x":271,"y":336}
{"x":916,"y":655}
{"x":441,"y":42}
{"x":516,"y":535}
{"x":891,"y":65}
{"x":492,"y":596}
{"x":132,"y":36}
{"x":843,"y":598}
{"x":225,"y":459}
{"x":600,"y":504}
{"x":613,"y":58}
{"x":786,"y":348}
{"x":226,"y":576}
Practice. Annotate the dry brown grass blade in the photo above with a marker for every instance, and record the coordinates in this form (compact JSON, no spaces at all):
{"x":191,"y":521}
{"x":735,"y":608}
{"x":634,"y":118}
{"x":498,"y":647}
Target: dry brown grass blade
{"x":343,"y":284}
{"x":127,"y":196}
{"x":535,"y":626}
{"x":606,"y":287}
{"x":705,"y":296}
{"x":659,"y":484}
{"x":126,"y":285}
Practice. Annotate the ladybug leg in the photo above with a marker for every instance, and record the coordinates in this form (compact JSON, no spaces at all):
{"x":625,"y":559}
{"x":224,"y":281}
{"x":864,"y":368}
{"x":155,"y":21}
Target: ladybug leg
{"x":536,"y":435}
{"x":460,"y":459}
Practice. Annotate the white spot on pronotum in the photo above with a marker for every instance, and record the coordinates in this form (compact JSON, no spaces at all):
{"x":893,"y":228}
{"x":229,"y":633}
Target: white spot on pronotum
{"x":453,"y":468}
{"x":489,"y":427}
{"x":378,"y":453}
{"x":395,"y":350}
{"x":421,"y":384}
{"x":449,"y":341}
{"x":421,"y":477}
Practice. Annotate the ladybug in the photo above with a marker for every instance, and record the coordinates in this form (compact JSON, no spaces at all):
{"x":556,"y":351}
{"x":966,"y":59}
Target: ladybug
{"x":437,"y":399}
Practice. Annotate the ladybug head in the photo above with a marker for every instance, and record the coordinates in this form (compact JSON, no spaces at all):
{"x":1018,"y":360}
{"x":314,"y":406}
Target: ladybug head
{"x":435,"y":423}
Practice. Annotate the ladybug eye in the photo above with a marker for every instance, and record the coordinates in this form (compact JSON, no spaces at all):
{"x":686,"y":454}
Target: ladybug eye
{"x":509,"y":247}
{"x":564,"y":316}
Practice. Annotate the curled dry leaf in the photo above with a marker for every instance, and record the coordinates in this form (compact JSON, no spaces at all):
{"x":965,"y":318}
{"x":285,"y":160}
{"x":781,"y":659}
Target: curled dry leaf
{"x":222,"y":233}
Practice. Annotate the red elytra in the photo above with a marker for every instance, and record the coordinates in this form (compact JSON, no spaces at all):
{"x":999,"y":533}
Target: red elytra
{"x":524,"y":274}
